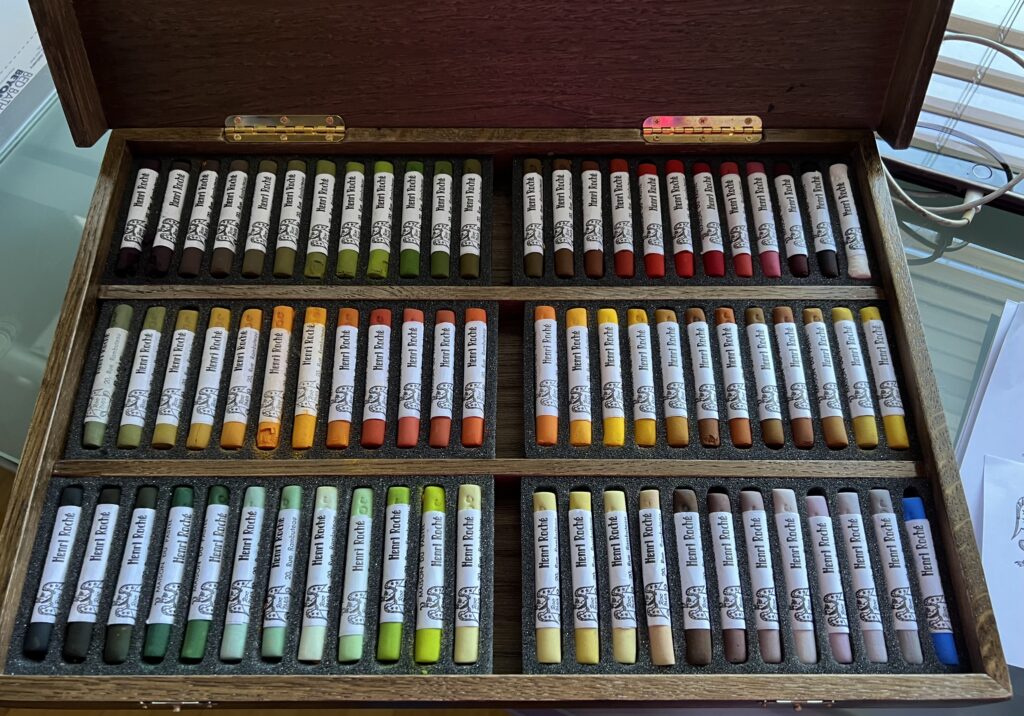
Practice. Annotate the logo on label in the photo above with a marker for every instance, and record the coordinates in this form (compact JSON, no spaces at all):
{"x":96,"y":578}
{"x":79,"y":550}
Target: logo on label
{"x":198,"y":230}
{"x":835,"y":609}
{"x":798,"y":397}
{"x":584,"y":603}
{"x":623,"y":603}
{"x":467,"y":604}
{"x":800,"y":605}
{"x":766,"y":236}
{"x":548,"y":605}
{"x":769,"y":398}
{"x":533,"y":235}
{"x":380,"y":233}
{"x":470,"y":237}
{"x":376,"y":399}
{"x":593,"y":231}
{"x":711,"y":234}
{"x":433,"y":603}
{"x":99,"y":404}
{"x":135,"y":403}
{"x":410,"y":396}
{"x":695,"y":602}
{"x":853,"y":238}
{"x":473,"y":396}
{"x":240,"y":596}
{"x":622,"y":234}
{"x":393,"y":596}
{"x":862,"y":394}
{"x":239,"y":397}
{"x":579,"y":399}
{"x":342,"y":401}
{"x":830,"y":394}
{"x":171,"y":401}
{"x":652,"y":235}
{"x":443,"y":395}
{"x":275,"y":607}
{"x":319,"y":236}
{"x":87,"y":601}
{"x":937,"y":613}
{"x":903,"y":604}
{"x":350,"y":233}
{"x":134,"y":232}
{"x":867,"y":605}
{"x":353,"y":610}
{"x":167,"y":230}
{"x":203,"y":602}
{"x":732,"y":602}
{"x":656,"y":600}
{"x":288,"y":231}
{"x":48,"y":601}
{"x":889,"y":394}
{"x":272,"y":404}
{"x":206,"y":401}
{"x":706,"y":397}
{"x":645,"y":398}
{"x":307,"y":394}
{"x":441,"y":236}
{"x":795,"y":237}
{"x":736,"y":396}
{"x":126,"y":601}
{"x":738,"y":237}
{"x":316,"y":604}
{"x":765,"y":604}
{"x":259,"y":233}
{"x":168,"y":598}
{"x":611,"y":395}
{"x":547,"y":393}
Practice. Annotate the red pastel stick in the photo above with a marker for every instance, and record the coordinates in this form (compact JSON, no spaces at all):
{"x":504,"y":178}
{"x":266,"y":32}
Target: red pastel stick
{"x":442,"y":394}
{"x":712,"y":253}
{"x":375,"y":400}
{"x":764,"y":220}
{"x":736,"y":216}
{"x":679,"y":218}
{"x":653,"y":227}
{"x":411,"y":383}
{"x":622,"y":218}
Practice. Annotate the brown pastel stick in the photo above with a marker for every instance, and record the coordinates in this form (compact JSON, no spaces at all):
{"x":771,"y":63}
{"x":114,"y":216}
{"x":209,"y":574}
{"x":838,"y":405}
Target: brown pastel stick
{"x":762,"y":575}
{"x":229,"y":223}
{"x":769,"y":410}
{"x":198,"y":231}
{"x":791,"y":357}
{"x":733,"y":378}
{"x":699,"y":336}
{"x":167,"y":226}
{"x":593,"y":220}
{"x":564,"y":219}
{"x":696,"y":622}
{"x":829,"y":403}
{"x":730,"y":593}
{"x":136,"y":224}
{"x":533,"y":218}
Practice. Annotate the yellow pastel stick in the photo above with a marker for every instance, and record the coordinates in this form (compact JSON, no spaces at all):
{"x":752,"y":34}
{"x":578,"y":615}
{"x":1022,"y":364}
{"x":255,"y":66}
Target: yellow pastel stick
{"x":211,"y":365}
{"x":620,"y":577}
{"x":645,"y":421}
{"x":307,"y":392}
{"x":613,"y":415}
{"x":858,"y":389}
{"x":467,"y":581}
{"x":547,"y":579}
{"x":578,"y":343}
{"x":890,"y":404}
{"x":243,"y":370}
{"x":275,"y":374}
{"x":584,"y":578}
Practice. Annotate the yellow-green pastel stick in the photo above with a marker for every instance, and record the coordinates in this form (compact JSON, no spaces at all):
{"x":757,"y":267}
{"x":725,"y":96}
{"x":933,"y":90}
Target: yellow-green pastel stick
{"x":357,"y":572}
{"x":467,"y":575}
{"x":430,"y":590}
{"x":172,"y":395}
{"x":351,"y":220}
{"x":412,"y":221}
{"x":291,"y":219}
{"x":97,"y":411}
{"x":392,"y":583}
{"x":243,"y":575}
{"x":278,"y":602}
{"x":320,"y":221}
{"x":441,"y":221}
{"x":380,"y":219}
{"x":140,"y":380}
{"x":318,"y":575}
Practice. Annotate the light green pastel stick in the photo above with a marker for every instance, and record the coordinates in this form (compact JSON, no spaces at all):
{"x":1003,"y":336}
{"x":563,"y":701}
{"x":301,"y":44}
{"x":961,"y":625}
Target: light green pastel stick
{"x":282,"y":571}
{"x":318,"y":575}
{"x":351,"y":220}
{"x":412,"y":221}
{"x":247,"y":556}
{"x":357,"y":571}
{"x":441,"y":221}
{"x":320,"y":221}
{"x":97,"y":412}
{"x":381,"y":216}
{"x":392,"y":583}
{"x":430,"y":590}
{"x":140,"y":380}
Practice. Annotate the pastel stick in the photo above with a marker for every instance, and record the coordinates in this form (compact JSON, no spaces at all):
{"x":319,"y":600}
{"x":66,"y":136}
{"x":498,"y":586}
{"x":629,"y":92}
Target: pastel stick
{"x":698,"y":640}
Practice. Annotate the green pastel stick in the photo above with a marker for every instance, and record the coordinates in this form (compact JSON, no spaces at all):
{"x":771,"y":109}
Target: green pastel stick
{"x":441,"y":221}
{"x":204,"y":588}
{"x":140,"y":380}
{"x":257,"y":238}
{"x":320,"y":221}
{"x":318,"y":575}
{"x":357,"y":571}
{"x":169,"y":576}
{"x":97,"y":412}
{"x":290,"y":220}
{"x":412,"y":221}
{"x":430,"y":589}
{"x":351,"y":220}
{"x":243,"y":575}
{"x":469,"y":226}
{"x":392,"y":586}
{"x":282,"y":570}
{"x":382,"y":213}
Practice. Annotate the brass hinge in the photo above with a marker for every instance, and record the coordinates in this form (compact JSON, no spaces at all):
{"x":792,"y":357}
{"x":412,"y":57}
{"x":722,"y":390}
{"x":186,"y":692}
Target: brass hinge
{"x":302,"y":128}
{"x":704,"y":129}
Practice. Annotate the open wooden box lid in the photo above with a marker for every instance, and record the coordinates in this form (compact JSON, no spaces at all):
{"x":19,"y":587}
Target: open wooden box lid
{"x":477,"y":63}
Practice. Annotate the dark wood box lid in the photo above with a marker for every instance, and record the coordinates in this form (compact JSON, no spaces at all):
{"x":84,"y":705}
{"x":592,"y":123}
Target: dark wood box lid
{"x":797,"y":64}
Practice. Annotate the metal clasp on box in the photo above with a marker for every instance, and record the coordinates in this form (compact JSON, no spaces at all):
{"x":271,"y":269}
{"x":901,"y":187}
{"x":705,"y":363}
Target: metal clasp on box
{"x":292,"y":128}
{"x":702,"y":129}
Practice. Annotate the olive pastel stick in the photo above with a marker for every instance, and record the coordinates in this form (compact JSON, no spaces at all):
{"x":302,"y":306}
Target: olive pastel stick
{"x":769,"y":411}
{"x":140,"y":379}
{"x":679,"y":218}
{"x":613,"y":414}
{"x":762,"y":575}
{"x":317,"y":594}
{"x":430,"y":590}
{"x":281,"y":581}
{"x":197,"y":233}
{"x":563,"y":221}
{"x":168,"y":224}
{"x":794,"y":570}
{"x":822,"y":369}
{"x":206,"y":584}
{"x":85,"y":605}
{"x":381,"y":217}
{"x":352,"y":623}
{"x":321,"y":213}
{"x":349,"y":238}
{"x":890,"y":403}
{"x":793,"y":235}
{"x":858,"y":389}
{"x":577,"y":338}
{"x":586,"y":629}
{"x":621,"y":589}
{"x":50,"y":594}
{"x":712,"y":250}
{"x":229,"y":221}
{"x":257,"y":237}
{"x":897,"y":581}
{"x":849,"y":223}
{"x":692,"y":577}
{"x":736,"y":219}
{"x":699,"y":337}
{"x":395,"y":556}
{"x":467,"y":575}
{"x":730,"y":593}
{"x":442,"y":392}
{"x":441,"y":220}
{"x":375,"y":395}
{"x":651,"y":220}
{"x":622,"y":218}
{"x":533,"y":218}
{"x":830,"y":584}
{"x":922,"y":547}
{"x":411,"y":226}
{"x":307,"y":390}
{"x":124,"y":610}
{"x":275,"y":374}
{"x":655,"y":574}
{"x":858,"y":556}
{"x":243,"y":371}
{"x":169,"y":588}
{"x":645,"y":417}
{"x":765,"y":234}
{"x":545,"y":361}
{"x":474,"y":377}
{"x":547,"y":610}
{"x":172,"y":394}
{"x":469,"y":233}
{"x":733,"y":378}
{"x":821,"y":222}
{"x":289,"y":223}
{"x":137,"y":221}
{"x":343,"y":379}
{"x":593,"y":219}
{"x":241,"y":593}
{"x":798,"y":402}
{"x":104,"y":383}
{"x":410,"y":378}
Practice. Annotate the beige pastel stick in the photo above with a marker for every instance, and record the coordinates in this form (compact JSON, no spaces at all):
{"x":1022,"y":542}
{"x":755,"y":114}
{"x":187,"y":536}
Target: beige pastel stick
{"x":547,"y":579}
{"x":655,"y":571}
{"x":854,"y":537}
{"x":830,"y":584}
{"x":762,"y":575}
{"x":897,"y":580}
{"x":793,"y":561}
{"x":584,"y":578}
{"x":620,"y":577}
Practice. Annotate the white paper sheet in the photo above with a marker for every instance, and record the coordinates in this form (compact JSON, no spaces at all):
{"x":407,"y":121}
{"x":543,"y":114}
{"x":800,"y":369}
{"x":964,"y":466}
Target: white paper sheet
{"x":1003,"y":553}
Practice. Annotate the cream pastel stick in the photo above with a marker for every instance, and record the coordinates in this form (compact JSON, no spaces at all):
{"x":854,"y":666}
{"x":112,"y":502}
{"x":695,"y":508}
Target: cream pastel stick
{"x":168,"y":225}
{"x":322,"y":209}
{"x":593,"y":220}
{"x":764,"y":220}
{"x":275,"y":376}
{"x":699,"y":336}
{"x":769,"y":410}
{"x":533,"y":218}
{"x":293,"y":193}
{"x":890,"y":403}
{"x":830,"y":583}
{"x":730,"y":593}
{"x":762,"y":575}
{"x":858,"y":389}
{"x":137,"y":221}
{"x":564,"y":220}
{"x":793,"y":560}
{"x":673,"y":383}
{"x":257,"y":238}
{"x":620,"y":577}
{"x":241,"y":596}
{"x":317,"y":594}
{"x":467,"y":575}
{"x":792,"y":221}
{"x":411,"y":221}
{"x":655,"y":573}
{"x":375,"y":395}
{"x":849,"y":222}
{"x":97,"y":410}
{"x":622,"y":218}
{"x":343,"y":379}
{"x":586,"y":629}
{"x":307,"y":390}
{"x":577,"y":338}
{"x":858,"y":558}
{"x":430,"y":588}
{"x":821,"y":222}
{"x":172,"y":394}
{"x":243,"y":371}
{"x":798,"y":402}
{"x":547,"y":613}
{"x":733,"y":379}
{"x":229,"y":221}
{"x":545,"y":361}
{"x":712,"y":251}
{"x":140,"y":379}
{"x":679,"y":217}
{"x":442,"y":392}
{"x":352,"y":623}
{"x":381,"y":216}
{"x":197,"y":233}
{"x":411,"y":378}
{"x":649,"y":190}
{"x":897,"y":581}
{"x":351,"y":228}
{"x":645,"y":417}
{"x":830,"y":406}
{"x":692,"y":576}
{"x":612,"y":413}
{"x":474,"y":377}
{"x":736,"y":219}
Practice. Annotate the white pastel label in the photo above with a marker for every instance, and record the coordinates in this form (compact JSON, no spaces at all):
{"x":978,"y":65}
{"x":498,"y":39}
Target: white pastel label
{"x":441,"y":215}
{"x":533,"y":213}
{"x":351,"y":212}
{"x":858,"y":557}
{"x":561,"y":205}
{"x":97,"y":410}
{"x":208,"y":386}
{"x":547,"y":610}
{"x":357,"y":577}
{"x":794,"y":569}
{"x":620,"y":570}
{"x":593,"y":211}
{"x":758,"y":338}
{"x":761,"y":206}
{"x":762,"y":575}
{"x":86,"y":604}
{"x":318,"y":569}
{"x":171,"y":573}
{"x":578,"y":343}
{"x":692,"y":576}
{"x":622,"y":212}
{"x":707,"y":212}
{"x":655,"y":569}
{"x":382,"y":211}
{"x":611,"y":371}
{"x":926,"y":562}
{"x":140,"y":380}
{"x":138,"y":209}
{"x":243,"y":575}
{"x":730,"y":594}
{"x":212,"y":554}
{"x":817,"y":209}
{"x":396,"y":553}
{"x":545,"y":362}
{"x":789,"y":211}
{"x":412,"y":370}
{"x":291,"y":210}
{"x":343,"y":381}
{"x":430,"y":582}
{"x":732,"y":371}
{"x":824,"y":372}
{"x":172,"y":395}
{"x":650,"y":215}
{"x":830,"y":583}
{"x":320,"y":219}
{"x":378,"y":356}
{"x":278,"y":600}
{"x":467,"y":569}
{"x":897,"y":581}
{"x":311,"y":361}
{"x":797,"y":396}
{"x":849,"y":222}
{"x":229,"y":221}
{"x":275,"y":374}
{"x":858,"y":389}
{"x":169,"y":223}
{"x":706,"y":398}
{"x":642,"y":361}
{"x":55,"y":568}
{"x":257,"y":238}
{"x":243,"y":370}
{"x":474,"y":367}
{"x":735,"y":214}
{"x":443,"y":393}
{"x":890,"y":402}
{"x":412,"y":211}
{"x":198,"y":230}
{"x":469,"y":235}
{"x":679,"y":213}
{"x":584,"y":569}
{"x":125,"y":607}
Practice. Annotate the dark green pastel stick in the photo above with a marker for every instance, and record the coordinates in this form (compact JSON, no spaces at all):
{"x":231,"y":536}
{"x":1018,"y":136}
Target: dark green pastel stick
{"x":290,"y":220}
{"x":382,"y":212}
{"x":469,"y":226}
{"x":97,"y":412}
{"x":212,"y":554}
{"x":140,"y":380}
{"x":441,"y":221}
{"x":351,"y":221}
{"x":169,"y":578}
{"x":319,"y":243}
{"x":257,"y":239}
{"x":412,"y":221}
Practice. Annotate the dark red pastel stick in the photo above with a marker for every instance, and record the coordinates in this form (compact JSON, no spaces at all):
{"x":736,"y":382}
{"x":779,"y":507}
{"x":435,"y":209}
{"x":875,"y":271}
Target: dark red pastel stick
{"x":713,"y":260}
{"x":683,"y":259}
{"x":622,"y":219}
{"x":797,"y":263}
{"x":654,"y":264}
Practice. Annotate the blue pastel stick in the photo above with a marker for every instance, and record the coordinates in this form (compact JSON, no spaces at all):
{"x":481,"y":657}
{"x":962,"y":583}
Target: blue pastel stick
{"x":926,"y":563}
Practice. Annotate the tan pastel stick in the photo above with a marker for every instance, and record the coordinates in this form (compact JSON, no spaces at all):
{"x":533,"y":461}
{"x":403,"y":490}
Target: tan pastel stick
{"x":830,"y":406}
{"x":769,"y":409}
{"x":699,"y":336}
{"x":791,"y":358}
{"x":762,"y":575}
{"x":655,"y":571}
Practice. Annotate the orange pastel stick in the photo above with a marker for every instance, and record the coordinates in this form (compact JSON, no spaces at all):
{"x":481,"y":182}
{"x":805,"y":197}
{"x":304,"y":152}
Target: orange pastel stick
{"x":307,"y":392}
{"x":474,"y":377}
{"x":274,"y":376}
{"x":411,"y":378}
{"x":442,"y":392}
{"x":343,"y":381}
{"x":375,"y":397}
{"x":733,"y":378}
{"x":545,"y":358}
